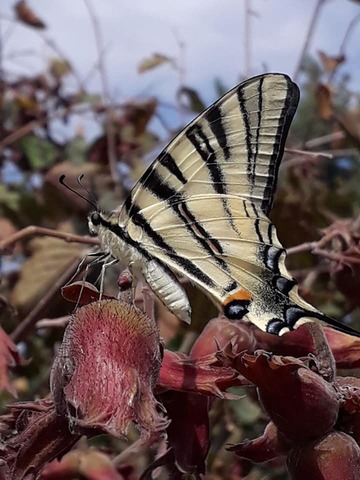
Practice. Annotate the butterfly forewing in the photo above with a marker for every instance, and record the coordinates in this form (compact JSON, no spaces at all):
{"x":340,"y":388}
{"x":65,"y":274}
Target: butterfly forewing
{"x":201,"y":208}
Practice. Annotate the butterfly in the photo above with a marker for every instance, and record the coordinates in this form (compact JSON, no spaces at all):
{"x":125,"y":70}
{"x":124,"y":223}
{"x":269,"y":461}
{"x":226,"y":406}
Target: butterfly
{"x":201,"y":211}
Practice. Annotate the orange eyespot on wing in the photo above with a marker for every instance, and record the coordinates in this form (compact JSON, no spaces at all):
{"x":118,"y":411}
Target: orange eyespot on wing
{"x":236,"y":305}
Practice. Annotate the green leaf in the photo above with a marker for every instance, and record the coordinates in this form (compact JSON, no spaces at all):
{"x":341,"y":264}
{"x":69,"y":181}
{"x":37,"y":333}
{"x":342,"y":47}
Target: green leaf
{"x":10,"y":199}
{"x":193,"y":98}
{"x":40,"y":152}
{"x":75,"y":150}
{"x":93,"y":99}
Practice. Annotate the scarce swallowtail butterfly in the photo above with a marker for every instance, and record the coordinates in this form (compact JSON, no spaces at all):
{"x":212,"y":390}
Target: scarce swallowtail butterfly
{"x":201,"y":211}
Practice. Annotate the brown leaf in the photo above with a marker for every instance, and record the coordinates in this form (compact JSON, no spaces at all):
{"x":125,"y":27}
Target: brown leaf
{"x":152,"y":62}
{"x":329,"y":63}
{"x":49,"y":258}
{"x":59,"y":67}
{"x":349,"y":122}
{"x":9,"y":357}
{"x":32,"y":435}
{"x":324,"y":102}
{"x":26,"y":15}
{"x":89,"y":465}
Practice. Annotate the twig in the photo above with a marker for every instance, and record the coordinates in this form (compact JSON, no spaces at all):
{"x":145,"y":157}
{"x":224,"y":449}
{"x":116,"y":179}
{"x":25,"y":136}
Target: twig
{"x":304,"y":247}
{"x":315,"y":142}
{"x":26,"y":326}
{"x":180,"y":68}
{"x":60,"y":322}
{"x":352,"y":24}
{"x":308,"y":37}
{"x":247,"y":38}
{"x":110,"y":133}
{"x":41,"y":231}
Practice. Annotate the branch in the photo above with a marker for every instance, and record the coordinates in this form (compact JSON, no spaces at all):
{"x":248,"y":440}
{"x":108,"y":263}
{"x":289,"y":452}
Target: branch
{"x":111,"y":146}
{"x":48,"y":232}
{"x":308,"y":38}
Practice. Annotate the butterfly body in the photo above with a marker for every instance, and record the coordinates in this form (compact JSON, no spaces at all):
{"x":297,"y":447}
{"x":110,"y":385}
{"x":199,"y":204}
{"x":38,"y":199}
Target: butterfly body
{"x":201,"y":211}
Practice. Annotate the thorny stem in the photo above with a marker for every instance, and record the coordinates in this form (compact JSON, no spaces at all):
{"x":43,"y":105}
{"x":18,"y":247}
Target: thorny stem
{"x":308,"y":38}
{"x":110,"y":133}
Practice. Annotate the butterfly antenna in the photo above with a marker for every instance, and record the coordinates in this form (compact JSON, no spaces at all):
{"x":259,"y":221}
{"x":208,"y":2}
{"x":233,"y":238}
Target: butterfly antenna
{"x":87,"y":190}
{"x":92,"y":203}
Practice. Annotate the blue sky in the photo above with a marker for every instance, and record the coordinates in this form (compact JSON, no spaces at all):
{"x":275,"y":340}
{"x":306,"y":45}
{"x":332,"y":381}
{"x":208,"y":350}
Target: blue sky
{"x":212,"y":31}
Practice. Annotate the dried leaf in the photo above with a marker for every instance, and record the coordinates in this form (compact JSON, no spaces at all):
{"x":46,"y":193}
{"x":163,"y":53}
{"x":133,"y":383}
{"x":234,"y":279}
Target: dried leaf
{"x":324,"y":102}
{"x":349,"y":122}
{"x":59,"y":67}
{"x":49,"y":258}
{"x":329,"y":63}
{"x":152,"y":62}
{"x":26,"y":15}
{"x":89,"y":465}
{"x":32,"y":435}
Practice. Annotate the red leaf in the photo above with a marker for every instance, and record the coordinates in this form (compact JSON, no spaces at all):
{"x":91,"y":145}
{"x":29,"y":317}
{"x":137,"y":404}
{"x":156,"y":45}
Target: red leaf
{"x":9,"y":357}
{"x":204,"y":375}
{"x":270,"y":445}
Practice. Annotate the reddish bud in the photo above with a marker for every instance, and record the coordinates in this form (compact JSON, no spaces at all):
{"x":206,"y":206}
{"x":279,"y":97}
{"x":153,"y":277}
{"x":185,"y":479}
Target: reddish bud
{"x":106,"y":369}
{"x":333,"y":457}
{"x":299,"y":402}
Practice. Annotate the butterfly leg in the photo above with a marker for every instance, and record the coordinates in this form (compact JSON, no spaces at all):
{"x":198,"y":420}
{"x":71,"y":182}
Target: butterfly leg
{"x":102,"y":275}
{"x":168,"y":289}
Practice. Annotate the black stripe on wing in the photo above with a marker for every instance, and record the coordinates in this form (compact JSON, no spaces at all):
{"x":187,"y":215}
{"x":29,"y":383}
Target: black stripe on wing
{"x":288,"y":112}
{"x":214,"y":117}
{"x":138,"y":219}
{"x":177,"y":202}
{"x":202,"y":145}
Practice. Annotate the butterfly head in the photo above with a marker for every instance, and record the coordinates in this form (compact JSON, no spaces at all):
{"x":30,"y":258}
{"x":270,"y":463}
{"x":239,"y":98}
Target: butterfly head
{"x":94,"y":222}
